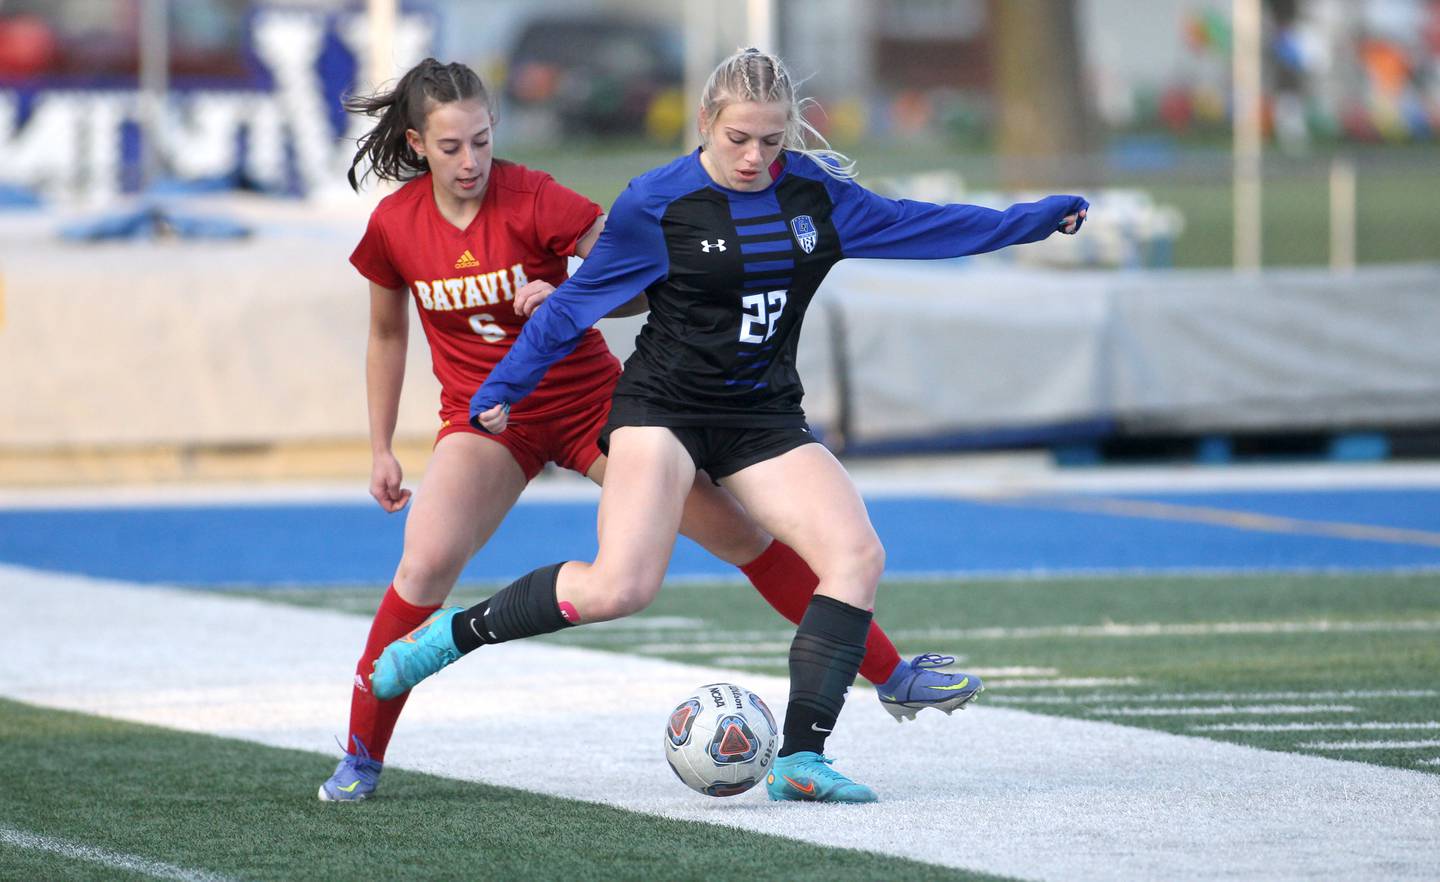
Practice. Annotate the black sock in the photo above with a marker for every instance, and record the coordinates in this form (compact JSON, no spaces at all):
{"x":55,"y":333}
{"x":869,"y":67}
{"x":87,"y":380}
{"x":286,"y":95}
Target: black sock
{"x":524,"y":608}
{"x":824,"y":659}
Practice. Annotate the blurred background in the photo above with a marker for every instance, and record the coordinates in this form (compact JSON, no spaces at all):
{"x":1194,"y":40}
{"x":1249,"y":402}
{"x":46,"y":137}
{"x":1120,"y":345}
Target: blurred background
{"x":1260,"y":277}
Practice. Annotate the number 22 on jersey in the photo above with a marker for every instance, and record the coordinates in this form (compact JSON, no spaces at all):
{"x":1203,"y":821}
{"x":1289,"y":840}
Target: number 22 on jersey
{"x":760,"y":312}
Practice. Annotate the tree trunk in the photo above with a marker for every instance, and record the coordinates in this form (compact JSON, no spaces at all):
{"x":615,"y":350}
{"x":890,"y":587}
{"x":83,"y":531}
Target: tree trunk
{"x":1044,"y":132}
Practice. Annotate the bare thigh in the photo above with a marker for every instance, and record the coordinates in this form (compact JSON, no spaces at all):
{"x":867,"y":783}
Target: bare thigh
{"x":469,"y":486}
{"x":642,"y":500}
{"x":806,"y":499}
{"x":714,"y":519}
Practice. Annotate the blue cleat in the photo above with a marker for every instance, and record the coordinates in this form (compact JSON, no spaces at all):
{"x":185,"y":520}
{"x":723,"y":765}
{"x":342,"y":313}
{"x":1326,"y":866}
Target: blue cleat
{"x":917,"y":684}
{"x":807,"y":777}
{"x":415,"y":656}
{"x":355,"y":777}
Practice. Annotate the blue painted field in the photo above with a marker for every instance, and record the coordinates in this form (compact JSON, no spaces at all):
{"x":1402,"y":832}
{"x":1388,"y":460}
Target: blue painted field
{"x":354,"y":543}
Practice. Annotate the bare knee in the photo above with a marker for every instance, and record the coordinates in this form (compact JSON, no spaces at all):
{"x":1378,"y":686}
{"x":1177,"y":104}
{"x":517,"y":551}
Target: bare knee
{"x":861,"y":563}
{"x":425,"y":576}
{"x":615,"y":597}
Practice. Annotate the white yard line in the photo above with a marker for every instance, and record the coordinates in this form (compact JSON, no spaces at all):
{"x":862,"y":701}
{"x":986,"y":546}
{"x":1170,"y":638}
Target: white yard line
{"x":1230,"y":697}
{"x":1064,"y":682}
{"x":1371,"y":745}
{"x":113,"y":860}
{"x":717,"y":642}
{"x":993,"y":790}
{"x":1312,"y":727}
{"x":1161,"y":629}
{"x":777,"y":648}
{"x":740,"y":661}
{"x":1223,"y":710}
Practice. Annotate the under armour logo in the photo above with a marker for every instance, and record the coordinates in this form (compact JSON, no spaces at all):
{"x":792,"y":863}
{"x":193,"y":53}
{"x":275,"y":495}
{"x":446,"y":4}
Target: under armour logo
{"x":718,"y":245}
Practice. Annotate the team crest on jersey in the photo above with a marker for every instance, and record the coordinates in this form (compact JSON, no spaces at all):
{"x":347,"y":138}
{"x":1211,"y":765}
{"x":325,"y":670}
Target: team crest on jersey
{"x":804,"y":230}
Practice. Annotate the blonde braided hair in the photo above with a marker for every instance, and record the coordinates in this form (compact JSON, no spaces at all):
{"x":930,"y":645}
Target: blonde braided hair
{"x":752,"y":75}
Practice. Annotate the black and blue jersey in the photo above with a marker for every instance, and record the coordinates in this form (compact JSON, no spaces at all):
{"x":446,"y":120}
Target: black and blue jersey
{"x":729,"y":275}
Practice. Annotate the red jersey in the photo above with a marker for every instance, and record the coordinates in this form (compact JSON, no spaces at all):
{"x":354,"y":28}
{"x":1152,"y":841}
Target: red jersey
{"x":464,"y":281}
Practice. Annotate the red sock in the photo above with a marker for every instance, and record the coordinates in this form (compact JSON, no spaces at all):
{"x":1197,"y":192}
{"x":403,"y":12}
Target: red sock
{"x":787,"y":583}
{"x":372,"y":721}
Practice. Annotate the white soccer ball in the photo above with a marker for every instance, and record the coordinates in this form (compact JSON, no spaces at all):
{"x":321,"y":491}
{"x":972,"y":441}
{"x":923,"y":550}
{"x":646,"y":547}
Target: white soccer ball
{"x":721,"y":740}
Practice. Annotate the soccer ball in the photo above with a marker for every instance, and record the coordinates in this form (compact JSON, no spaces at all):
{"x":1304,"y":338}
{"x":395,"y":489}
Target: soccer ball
{"x":721,"y":740}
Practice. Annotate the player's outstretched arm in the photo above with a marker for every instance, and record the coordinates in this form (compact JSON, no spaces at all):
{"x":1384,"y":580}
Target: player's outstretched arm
{"x":870,"y":225}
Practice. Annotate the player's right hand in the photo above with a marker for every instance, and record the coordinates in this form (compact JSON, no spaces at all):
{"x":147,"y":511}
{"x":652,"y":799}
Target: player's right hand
{"x":495,"y":419}
{"x":385,"y":479}
{"x":531,"y":296}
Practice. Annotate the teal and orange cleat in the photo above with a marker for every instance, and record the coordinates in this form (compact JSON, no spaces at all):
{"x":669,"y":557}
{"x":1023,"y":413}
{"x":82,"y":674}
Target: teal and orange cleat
{"x":807,"y":777}
{"x":415,"y":656}
{"x":355,"y":778}
{"x":916,"y":685}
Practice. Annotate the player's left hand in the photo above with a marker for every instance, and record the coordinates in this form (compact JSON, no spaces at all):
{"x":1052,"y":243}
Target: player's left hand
{"x":530,"y":296}
{"x":493,"y":420}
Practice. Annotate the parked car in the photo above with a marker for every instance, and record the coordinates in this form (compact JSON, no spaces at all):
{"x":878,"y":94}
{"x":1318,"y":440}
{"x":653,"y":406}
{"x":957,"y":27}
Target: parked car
{"x":593,"y":74}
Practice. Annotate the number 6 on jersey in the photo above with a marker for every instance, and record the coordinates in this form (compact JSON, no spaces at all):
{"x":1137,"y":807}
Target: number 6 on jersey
{"x":760,"y":309}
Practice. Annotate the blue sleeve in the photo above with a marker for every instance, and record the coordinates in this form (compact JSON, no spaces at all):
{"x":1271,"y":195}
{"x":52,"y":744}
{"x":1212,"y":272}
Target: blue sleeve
{"x":629,"y":257}
{"x":870,"y":225}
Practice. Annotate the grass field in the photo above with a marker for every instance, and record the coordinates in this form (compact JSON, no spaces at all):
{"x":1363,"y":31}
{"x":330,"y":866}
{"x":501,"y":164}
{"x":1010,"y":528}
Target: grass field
{"x":174,"y":801}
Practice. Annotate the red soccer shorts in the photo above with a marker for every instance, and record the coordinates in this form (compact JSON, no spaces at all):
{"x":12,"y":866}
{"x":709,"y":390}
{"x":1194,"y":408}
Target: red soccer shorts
{"x":568,"y":439}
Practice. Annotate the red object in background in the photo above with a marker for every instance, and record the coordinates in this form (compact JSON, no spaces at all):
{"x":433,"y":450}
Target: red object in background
{"x":1176,"y":109}
{"x":536,"y":82}
{"x":911,"y":111}
{"x":1357,"y":124}
{"x":1196,"y":39}
{"x":27,"y":46}
{"x":1431,"y":28}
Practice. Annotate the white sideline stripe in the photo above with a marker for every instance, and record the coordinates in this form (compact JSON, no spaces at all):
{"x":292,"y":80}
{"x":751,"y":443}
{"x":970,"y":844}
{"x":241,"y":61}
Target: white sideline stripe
{"x":1371,"y":745}
{"x":996,"y":675}
{"x":113,"y":859}
{"x":1153,"y":697}
{"x":1434,"y":761}
{"x":1223,"y":710}
{"x":1065,"y":683}
{"x":767,"y":641}
{"x":1010,"y":677}
{"x":647,"y":624}
{"x":781,"y":649}
{"x":1311,"y":727}
{"x":741,"y":661}
{"x":1161,"y":629}
{"x":1040,"y":797}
